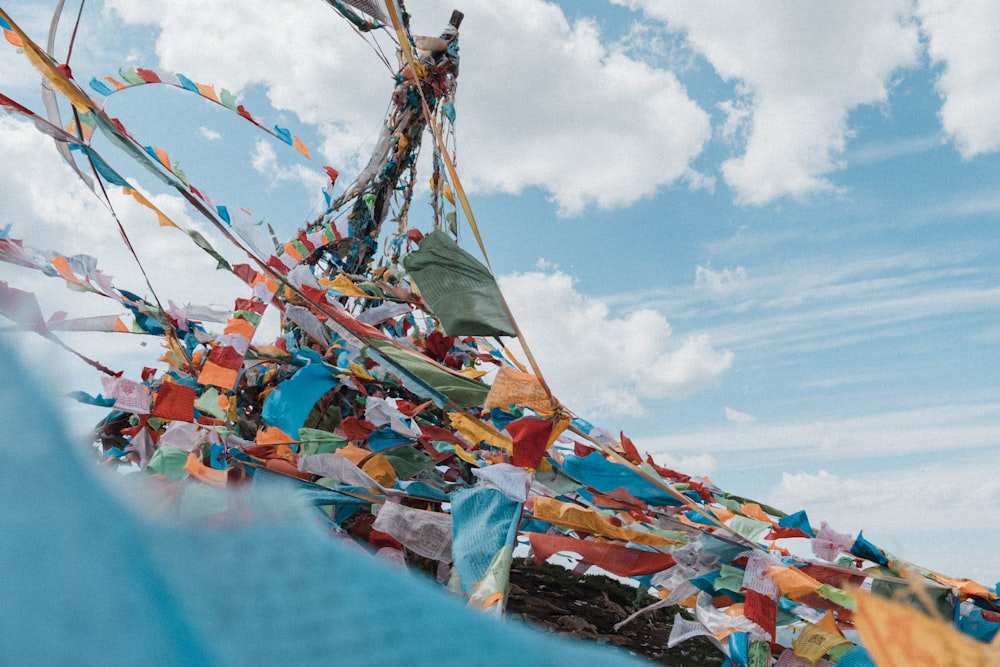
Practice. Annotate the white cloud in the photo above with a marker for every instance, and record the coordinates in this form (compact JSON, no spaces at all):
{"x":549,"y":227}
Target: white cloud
{"x":738,"y":113}
{"x":209,"y":133}
{"x":738,"y":417}
{"x":802,"y":303}
{"x":551,"y":104}
{"x":724,"y":282}
{"x":793,"y":323}
{"x":888,"y":149}
{"x":799,"y":72}
{"x":541,"y":103}
{"x":264,"y":158}
{"x":16,"y":73}
{"x":937,"y":428}
{"x":305,"y":56}
{"x":601,"y":363}
{"x":984,"y":202}
{"x":562,"y":110}
{"x":963,"y":37}
{"x":906,"y":511}
{"x":697,"y":465}
{"x":265,"y":161}
{"x":42,"y":194}
{"x":697,"y":180}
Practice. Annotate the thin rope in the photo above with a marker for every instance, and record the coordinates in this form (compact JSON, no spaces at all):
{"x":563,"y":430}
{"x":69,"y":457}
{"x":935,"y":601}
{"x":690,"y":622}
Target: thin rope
{"x":459,"y":190}
{"x":76,"y":26}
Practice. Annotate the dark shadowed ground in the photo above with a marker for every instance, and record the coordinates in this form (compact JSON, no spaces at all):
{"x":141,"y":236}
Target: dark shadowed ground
{"x":587,"y":608}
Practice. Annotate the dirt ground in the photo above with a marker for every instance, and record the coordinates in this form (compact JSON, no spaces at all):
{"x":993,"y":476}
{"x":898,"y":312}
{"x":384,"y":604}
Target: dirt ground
{"x":587,"y":608}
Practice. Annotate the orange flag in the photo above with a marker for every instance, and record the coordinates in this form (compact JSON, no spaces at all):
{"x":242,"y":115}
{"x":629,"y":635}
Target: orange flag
{"x":511,"y":387}
{"x":791,"y":581}
{"x":203,"y":473}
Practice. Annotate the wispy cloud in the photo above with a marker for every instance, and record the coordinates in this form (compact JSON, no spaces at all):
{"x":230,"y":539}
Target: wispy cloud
{"x":877,"y":151}
{"x":844,"y":323}
{"x":738,"y":417}
{"x":209,"y":133}
{"x":927,"y":509}
{"x":821,"y":301}
{"x":940,"y":428}
{"x":265,"y":161}
{"x":722,"y":282}
{"x":967,"y":204}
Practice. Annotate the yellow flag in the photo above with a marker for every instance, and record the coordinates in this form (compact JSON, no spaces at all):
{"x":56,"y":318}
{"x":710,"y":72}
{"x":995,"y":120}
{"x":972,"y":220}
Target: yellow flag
{"x":344,"y":285}
{"x":472,"y":373}
{"x":897,"y":635}
{"x":161,"y":217}
{"x":815,"y":642}
{"x":587,"y":520}
{"x":476,"y":431}
{"x":58,"y":78}
{"x":378,"y":468}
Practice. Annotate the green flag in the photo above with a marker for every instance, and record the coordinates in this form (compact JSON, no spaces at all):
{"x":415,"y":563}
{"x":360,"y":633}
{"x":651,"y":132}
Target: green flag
{"x":459,"y":290}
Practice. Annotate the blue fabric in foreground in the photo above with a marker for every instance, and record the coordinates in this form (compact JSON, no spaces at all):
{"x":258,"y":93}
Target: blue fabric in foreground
{"x":88,"y":580}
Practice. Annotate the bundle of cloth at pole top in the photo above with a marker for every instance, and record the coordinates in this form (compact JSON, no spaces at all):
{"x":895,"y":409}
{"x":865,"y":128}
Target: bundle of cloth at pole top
{"x":391,"y":400}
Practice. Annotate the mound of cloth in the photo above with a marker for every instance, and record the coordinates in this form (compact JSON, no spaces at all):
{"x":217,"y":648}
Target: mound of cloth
{"x":389,"y":401}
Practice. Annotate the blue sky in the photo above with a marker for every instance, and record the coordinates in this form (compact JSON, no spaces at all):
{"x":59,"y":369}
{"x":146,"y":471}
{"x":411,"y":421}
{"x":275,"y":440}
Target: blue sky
{"x":759,"y":240}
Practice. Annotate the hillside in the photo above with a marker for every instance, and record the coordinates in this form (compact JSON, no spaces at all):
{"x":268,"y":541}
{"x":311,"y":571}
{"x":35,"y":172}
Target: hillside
{"x":587,"y":608}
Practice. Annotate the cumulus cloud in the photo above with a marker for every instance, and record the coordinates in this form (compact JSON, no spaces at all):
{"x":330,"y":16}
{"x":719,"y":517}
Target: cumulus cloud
{"x":52,"y":209}
{"x":549,"y":103}
{"x":963,"y":38}
{"x":542,"y":102}
{"x":602,"y":363}
{"x":798,"y":73}
{"x":562,"y":110}
{"x":892,"y":492}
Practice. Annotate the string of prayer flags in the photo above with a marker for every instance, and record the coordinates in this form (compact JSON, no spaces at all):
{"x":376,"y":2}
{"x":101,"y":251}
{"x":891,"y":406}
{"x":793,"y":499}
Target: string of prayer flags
{"x":106,"y":85}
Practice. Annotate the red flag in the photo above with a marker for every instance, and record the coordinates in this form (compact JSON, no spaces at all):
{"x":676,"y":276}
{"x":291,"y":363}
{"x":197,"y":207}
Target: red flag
{"x":631,"y":453}
{"x":531,"y":439}
{"x":174,"y":401}
{"x":762,"y":610}
{"x":615,"y":558}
